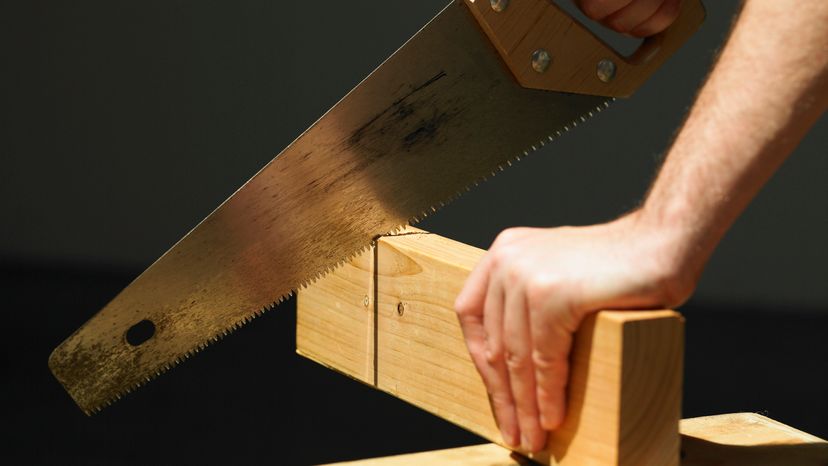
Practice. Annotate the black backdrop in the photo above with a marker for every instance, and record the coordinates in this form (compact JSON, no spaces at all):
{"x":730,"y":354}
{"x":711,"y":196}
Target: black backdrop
{"x":125,"y":123}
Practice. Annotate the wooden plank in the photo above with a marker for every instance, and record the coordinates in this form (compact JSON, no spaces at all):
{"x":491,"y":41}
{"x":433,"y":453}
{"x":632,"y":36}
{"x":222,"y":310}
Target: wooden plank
{"x":421,"y":358}
{"x":487,"y":454}
{"x":723,"y":440}
{"x":748,"y":439}
{"x":744,"y":429}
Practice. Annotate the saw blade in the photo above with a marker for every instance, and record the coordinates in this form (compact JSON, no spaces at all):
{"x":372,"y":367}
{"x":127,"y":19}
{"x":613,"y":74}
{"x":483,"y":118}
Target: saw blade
{"x":440,"y":115}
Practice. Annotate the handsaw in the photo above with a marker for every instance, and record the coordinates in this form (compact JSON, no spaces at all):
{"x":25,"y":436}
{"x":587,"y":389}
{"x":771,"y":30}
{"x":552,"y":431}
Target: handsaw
{"x":481,"y":85}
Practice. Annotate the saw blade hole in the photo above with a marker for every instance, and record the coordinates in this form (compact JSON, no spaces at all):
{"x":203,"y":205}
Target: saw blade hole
{"x":139,"y":333}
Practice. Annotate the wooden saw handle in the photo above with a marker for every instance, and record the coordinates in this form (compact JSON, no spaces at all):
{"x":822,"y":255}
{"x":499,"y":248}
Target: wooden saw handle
{"x":579,"y":61}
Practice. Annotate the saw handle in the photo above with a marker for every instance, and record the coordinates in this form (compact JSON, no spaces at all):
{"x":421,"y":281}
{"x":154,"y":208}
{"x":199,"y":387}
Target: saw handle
{"x":579,"y":61}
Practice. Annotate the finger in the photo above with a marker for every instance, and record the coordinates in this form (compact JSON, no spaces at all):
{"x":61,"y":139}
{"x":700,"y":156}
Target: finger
{"x":600,"y":9}
{"x":494,"y":378}
{"x":660,"y":20}
{"x":518,"y":344}
{"x":471,"y":298}
{"x":627,"y":18}
{"x":470,"y":305}
{"x":493,"y":322}
{"x":497,"y":378}
{"x":552,"y":326}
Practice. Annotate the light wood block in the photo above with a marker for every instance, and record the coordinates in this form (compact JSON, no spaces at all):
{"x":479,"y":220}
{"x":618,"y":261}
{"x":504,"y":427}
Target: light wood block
{"x":740,"y":439}
{"x":625,"y":386}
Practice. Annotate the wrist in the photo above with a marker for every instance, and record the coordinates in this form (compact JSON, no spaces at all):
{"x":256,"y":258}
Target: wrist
{"x":672,"y":255}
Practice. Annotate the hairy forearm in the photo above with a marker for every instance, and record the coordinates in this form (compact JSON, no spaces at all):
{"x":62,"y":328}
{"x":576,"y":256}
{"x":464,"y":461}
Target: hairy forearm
{"x":768,"y":88}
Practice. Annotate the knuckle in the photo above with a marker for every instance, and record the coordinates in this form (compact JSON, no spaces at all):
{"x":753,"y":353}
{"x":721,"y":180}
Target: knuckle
{"x":592,"y":9}
{"x":475,"y":353}
{"x":462,"y":308}
{"x":497,"y":257}
{"x":660,"y":21}
{"x":550,"y":362}
{"x":504,"y":237}
{"x":670,"y":10}
{"x":494,"y":354}
{"x":500,"y":399}
{"x":517,"y":361}
{"x":502,"y":256}
{"x":509,"y":236}
{"x":597,"y":9}
{"x":514,"y":273}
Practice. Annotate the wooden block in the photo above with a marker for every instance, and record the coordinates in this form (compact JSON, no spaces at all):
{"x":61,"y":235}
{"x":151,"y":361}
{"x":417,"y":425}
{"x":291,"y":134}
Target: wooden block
{"x":741,"y":439}
{"x":625,"y":387}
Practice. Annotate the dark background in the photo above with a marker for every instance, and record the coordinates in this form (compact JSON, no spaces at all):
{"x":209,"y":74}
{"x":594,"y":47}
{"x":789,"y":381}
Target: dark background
{"x":125,"y":123}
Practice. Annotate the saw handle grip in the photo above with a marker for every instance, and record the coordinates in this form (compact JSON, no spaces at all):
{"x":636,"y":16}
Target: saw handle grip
{"x":527,"y":32}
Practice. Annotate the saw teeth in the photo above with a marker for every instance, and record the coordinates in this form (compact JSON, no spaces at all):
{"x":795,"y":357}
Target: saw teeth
{"x":517,"y":158}
{"x":327,"y":269}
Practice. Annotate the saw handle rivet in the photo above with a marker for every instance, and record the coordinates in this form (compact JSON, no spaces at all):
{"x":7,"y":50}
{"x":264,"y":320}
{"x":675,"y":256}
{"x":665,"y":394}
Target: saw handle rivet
{"x":606,"y":70}
{"x":541,"y":60}
{"x":139,"y":333}
{"x":499,"y":5}
{"x":365,"y":301}
{"x":400,"y":308}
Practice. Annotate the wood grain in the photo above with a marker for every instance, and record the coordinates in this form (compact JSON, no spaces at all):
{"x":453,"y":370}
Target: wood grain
{"x":626,"y":375}
{"x":336,"y":325}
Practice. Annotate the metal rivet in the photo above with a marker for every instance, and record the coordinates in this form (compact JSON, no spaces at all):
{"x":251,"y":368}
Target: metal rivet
{"x":540,"y":60}
{"x":400,"y":309}
{"x":365,"y":301}
{"x":606,"y":70}
{"x":499,"y":5}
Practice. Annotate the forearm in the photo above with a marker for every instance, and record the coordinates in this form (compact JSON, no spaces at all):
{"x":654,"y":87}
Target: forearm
{"x":768,"y":88}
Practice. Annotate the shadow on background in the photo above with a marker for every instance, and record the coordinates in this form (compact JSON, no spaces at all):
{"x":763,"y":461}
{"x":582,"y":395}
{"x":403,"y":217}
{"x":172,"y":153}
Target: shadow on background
{"x":251,"y":400}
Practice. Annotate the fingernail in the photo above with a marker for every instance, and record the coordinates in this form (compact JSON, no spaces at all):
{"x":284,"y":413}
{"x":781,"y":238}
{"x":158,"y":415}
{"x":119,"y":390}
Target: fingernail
{"x":549,"y":420}
{"x":509,"y":439}
{"x":524,"y":443}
